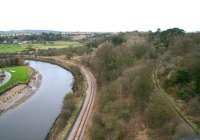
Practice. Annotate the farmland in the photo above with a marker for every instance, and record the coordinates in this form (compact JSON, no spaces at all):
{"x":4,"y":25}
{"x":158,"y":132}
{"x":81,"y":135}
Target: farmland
{"x":15,"y":48}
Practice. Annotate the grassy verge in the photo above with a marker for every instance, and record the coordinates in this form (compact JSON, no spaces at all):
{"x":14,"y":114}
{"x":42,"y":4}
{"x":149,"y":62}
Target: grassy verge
{"x":19,"y":75}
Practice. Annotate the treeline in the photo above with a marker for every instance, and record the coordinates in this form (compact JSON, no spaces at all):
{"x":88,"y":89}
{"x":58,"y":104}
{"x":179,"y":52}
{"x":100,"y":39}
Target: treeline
{"x":180,"y":61}
{"x":10,"y":61}
{"x":69,"y":52}
{"x":99,"y":38}
{"x":43,"y":37}
{"x":165,"y":38}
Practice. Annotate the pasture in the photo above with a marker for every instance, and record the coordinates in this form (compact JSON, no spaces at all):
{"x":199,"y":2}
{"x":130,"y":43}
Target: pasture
{"x":16,"y":48}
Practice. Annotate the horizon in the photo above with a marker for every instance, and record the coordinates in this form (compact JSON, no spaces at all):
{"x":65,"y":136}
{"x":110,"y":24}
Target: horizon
{"x":50,"y":30}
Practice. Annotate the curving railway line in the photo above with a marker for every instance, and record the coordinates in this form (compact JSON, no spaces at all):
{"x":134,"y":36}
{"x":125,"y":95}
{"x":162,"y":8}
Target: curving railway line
{"x":79,"y":127}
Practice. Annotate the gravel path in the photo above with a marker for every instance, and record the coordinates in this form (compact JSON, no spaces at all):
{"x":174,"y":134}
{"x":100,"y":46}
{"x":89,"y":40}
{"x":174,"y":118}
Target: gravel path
{"x":6,"y":78}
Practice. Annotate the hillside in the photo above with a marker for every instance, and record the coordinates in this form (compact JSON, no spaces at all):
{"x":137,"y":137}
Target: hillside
{"x":130,"y":103}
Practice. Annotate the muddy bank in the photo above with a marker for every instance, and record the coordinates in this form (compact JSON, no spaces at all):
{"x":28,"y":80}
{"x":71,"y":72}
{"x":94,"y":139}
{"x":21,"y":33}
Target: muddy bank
{"x":20,"y":93}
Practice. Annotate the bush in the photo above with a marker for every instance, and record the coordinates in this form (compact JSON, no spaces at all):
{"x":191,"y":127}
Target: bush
{"x":157,"y":115}
{"x":105,"y":63}
{"x":69,"y":105}
{"x":10,"y":61}
{"x":194,"y":106}
{"x":182,"y":76}
{"x":159,"y":118}
{"x":139,"y":51}
{"x":183,"y":95}
{"x":118,"y":39}
{"x":137,"y":81}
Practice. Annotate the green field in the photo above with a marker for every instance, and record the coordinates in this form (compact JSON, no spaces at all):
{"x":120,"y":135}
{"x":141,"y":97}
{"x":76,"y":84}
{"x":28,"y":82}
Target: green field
{"x":11,"y":48}
{"x":19,"y":75}
{"x":14,"y":48}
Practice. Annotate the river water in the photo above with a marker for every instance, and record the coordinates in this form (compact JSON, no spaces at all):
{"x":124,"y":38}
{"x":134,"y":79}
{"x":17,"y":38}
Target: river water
{"x":33,"y":119}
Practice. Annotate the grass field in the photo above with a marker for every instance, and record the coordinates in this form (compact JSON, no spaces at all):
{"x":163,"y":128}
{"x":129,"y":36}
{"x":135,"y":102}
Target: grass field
{"x":14,"y":48}
{"x":11,"y":48}
{"x":19,"y":75}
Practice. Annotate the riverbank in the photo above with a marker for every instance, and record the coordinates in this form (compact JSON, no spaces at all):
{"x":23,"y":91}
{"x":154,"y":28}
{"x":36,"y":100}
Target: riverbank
{"x":19,"y":75}
{"x":18,"y":94}
{"x":72,"y":103}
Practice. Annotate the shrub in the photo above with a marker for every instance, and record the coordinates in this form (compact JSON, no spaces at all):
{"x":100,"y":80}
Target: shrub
{"x":182,"y":76}
{"x":157,"y":114}
{"x":194,"y":106}
{"x":184,"y":95}
{"x":118,"y":39}
{"x":161,"y":121}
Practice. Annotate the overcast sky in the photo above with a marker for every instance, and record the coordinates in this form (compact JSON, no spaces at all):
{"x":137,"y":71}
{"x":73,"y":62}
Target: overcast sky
{"x":99,"y":15}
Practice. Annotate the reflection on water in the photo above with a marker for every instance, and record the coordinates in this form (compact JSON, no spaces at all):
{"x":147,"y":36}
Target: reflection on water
{"x":33,"y":119}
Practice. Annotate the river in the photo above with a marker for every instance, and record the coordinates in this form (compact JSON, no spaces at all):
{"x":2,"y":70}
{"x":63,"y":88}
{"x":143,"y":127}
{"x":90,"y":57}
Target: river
{"x":33,"y":119}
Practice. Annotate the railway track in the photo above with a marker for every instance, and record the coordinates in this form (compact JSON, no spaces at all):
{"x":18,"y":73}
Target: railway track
{"x":78,"y":129}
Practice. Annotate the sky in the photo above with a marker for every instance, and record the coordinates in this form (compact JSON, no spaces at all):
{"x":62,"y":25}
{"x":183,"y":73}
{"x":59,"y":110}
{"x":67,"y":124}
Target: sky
{"x":99,"y":15}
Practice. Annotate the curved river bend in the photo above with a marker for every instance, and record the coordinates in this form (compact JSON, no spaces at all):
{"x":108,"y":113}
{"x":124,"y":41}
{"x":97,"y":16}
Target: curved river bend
{"x":33,"y":119}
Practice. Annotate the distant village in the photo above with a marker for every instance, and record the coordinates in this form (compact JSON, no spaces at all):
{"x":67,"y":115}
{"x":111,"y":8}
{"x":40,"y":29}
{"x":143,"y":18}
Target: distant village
{"x":32,"y":36}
